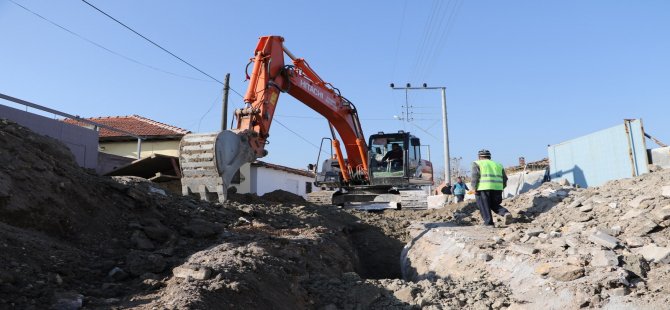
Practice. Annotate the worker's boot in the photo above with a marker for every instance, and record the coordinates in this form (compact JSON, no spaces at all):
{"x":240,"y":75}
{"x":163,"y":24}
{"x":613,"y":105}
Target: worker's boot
{"x":508,"y":218}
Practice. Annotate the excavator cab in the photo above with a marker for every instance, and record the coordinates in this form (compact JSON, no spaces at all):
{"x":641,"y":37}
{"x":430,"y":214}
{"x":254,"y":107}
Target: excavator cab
{"x":395,"y":159}
{"x":396,"y":175}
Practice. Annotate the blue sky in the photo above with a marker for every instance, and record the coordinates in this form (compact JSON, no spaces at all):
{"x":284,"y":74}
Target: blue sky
{"x":520,"y":74}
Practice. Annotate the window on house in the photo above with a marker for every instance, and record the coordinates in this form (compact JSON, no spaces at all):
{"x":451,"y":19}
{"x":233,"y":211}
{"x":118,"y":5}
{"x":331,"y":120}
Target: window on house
{"x":308,"y":187}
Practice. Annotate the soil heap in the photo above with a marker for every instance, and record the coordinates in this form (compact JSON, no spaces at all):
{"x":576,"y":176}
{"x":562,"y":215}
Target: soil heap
{"x":70,"y":239}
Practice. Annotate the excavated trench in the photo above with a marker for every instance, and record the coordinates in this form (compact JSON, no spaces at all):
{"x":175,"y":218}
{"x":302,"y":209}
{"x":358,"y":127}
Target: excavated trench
{"x":378,"y":254}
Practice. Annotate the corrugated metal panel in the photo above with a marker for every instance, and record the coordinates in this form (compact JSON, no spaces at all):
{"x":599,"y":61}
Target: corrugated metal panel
{"x":614,"y":153}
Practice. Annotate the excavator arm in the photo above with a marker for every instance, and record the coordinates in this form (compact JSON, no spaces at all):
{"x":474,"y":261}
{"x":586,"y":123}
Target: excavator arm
{"x":209,"y":161}
{"x":270,"y":77}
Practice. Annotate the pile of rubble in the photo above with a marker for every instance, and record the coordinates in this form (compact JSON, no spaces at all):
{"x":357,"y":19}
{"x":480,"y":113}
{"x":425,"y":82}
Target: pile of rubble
{"x":571,"y":247}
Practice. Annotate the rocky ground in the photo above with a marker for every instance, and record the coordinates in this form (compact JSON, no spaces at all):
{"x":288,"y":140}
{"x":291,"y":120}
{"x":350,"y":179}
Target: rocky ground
{"x":605,"y":246}
{"x":70,"y":239}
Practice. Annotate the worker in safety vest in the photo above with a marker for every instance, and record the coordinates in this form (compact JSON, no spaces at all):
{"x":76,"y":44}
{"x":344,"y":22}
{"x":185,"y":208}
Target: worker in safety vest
{"x":488,"y":181}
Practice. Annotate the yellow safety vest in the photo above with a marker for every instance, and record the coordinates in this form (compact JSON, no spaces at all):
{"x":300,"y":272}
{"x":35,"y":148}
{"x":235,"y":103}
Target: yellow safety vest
{"x":491,"y":175}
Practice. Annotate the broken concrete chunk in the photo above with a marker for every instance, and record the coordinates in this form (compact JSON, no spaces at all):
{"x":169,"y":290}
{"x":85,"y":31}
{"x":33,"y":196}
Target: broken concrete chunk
{"x":543,"y":269}
{"x":604,"y":258}
{"x":613,"y":205}
{"x":635,"y":203}
{"x":586,"y":208}
{"x":572,"y":241}
{"x":567,"y":273}
{"x":558,"y":242}
{"x":576,"y":203}
{"x":619,"y":291}
{"x":523,"y":249}
{"x":665,"y":191}
{"x":534,"y":231}
{"x":555,"y":234}
{"x":635,"y":242}
{"x":604,"y":240}
{"x":661,"y":214}
{"x":654,"y":253}
{"x":583,"y":217}
{"x":603,"y":230}
{"x":636,"y":264}
{"x":573,"y":227}
{"x":193,"y":272}
{"x":575,"y":260}
{"x":633,"y":213}
{"x":484,"y":257}
{"x":405,"y":294}
{"x":641,"y":227}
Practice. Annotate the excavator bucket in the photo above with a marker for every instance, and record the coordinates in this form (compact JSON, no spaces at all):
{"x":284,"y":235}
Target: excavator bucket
{"x":209,"y":162}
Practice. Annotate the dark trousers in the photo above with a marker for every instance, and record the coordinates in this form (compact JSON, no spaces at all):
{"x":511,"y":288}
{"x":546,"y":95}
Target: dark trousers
{"x":460,"y":198}
{"x":487,"y":201}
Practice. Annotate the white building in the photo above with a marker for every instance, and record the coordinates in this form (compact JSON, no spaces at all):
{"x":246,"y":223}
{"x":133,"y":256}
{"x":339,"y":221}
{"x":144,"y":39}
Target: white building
{"x":260,"y":177}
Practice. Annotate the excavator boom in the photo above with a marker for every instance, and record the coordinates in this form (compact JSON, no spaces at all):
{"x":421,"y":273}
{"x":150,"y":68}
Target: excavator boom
{"x":271,"y":76}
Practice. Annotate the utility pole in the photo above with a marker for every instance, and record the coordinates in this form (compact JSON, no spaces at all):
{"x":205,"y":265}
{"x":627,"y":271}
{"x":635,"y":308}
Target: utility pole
{"x":445,"y":131}
{"x":224,"y":113}
{"x":430,"y":187}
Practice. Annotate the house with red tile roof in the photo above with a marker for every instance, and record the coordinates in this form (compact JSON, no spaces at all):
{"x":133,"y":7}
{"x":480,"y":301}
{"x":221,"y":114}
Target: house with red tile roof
{"x":158,"y":138}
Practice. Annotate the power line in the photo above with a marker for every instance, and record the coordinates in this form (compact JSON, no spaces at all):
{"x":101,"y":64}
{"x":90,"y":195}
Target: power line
{"x":397,"y":48}
{"x":208,"y":110}
{"x":299,"y":136}
{"x":432,"y":38}
{"x":162,"y":48}
{"x":425,"y":58}
{"x":187,"y":63}
{"x":317,"y":117}
{"x":443,"y":39}
{"x":154,"y":43}
{"x":103,"y":47}
{"x":235,"y":91}
{"x":426,"y":35}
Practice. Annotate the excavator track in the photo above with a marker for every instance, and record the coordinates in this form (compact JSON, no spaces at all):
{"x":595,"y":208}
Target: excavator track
{"x":407,"y":199}
{"x":414,"y":199}
{"x":322,"y":198}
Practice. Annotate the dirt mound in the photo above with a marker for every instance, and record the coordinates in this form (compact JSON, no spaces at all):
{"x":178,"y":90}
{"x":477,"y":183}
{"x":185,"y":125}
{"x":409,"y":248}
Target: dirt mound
{"x":283,"y":196}
{"x":71,"y":239}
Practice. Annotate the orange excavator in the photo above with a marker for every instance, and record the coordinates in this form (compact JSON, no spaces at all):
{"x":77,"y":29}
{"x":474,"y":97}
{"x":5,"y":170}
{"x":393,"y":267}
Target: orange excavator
{"x":365,"y":175}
